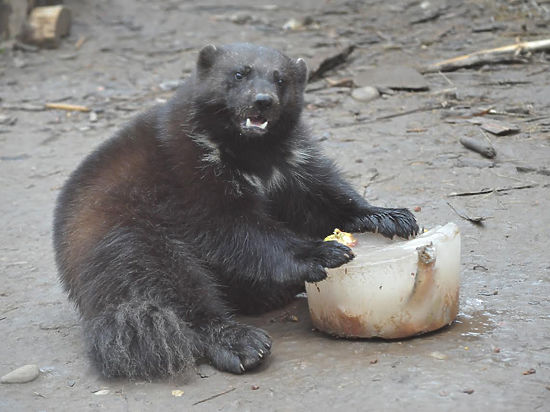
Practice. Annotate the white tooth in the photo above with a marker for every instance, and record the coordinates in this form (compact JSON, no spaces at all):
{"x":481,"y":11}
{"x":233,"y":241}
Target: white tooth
{"x":248,"y":122}
{"x":264,"y":125}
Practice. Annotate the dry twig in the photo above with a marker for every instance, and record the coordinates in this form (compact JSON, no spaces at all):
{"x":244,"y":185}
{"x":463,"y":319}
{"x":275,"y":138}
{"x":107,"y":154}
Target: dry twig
{"x":485,"y":191}
{"x":498,"y":55}
{"x":477,"y":220}
{"x":68,"y":107}
{"x":214,"y":396}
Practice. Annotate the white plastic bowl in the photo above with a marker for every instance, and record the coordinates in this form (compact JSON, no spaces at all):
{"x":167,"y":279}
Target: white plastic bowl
{"x":393,"y":288}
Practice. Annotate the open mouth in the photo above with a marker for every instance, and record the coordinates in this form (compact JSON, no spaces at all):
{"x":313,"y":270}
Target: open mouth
{"x":256,"y":123}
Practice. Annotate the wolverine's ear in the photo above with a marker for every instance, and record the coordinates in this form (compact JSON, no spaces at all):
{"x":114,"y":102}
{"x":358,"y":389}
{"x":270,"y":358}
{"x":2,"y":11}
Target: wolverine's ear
{"x":207,"y":55}
{"x":301,"y":70}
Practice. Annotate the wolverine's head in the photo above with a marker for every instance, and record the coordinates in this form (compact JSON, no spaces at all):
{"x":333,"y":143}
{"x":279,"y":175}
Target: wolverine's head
{"x":248,"y":91}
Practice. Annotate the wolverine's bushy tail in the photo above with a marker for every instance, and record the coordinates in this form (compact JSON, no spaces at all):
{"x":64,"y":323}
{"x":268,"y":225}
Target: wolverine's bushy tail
{"x":141,"y":340}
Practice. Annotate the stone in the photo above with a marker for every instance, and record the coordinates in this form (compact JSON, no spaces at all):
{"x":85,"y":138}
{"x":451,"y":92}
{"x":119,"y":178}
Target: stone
{"x":438,"y":355}
{"x":365,"y":94}
{"x":23,"y":374}
{"x":169,"y":85}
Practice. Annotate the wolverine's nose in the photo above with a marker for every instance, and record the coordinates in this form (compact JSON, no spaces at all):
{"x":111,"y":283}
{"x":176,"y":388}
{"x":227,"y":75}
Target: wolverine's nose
{"x":263,"y":101}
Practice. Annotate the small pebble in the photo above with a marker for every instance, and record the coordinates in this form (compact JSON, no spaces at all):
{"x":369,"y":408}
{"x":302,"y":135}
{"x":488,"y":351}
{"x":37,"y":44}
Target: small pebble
{"x":93,"y":117}
{"x":241,"y":18}
{"x":23,"y":374}
{"x":365,"y":94}
{"x":293,"y":24}
{"x":298,"y":24}
{"x":438,"y":355}
{"x":169,"y":85}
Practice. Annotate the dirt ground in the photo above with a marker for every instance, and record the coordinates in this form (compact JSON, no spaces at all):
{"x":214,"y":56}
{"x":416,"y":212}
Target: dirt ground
{"x":496,"y":356}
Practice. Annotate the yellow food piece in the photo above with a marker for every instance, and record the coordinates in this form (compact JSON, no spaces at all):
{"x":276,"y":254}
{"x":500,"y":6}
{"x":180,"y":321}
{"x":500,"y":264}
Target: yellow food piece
{"x":342,"y":237}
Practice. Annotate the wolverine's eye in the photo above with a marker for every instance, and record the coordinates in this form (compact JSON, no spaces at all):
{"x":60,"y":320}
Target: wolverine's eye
{"x":278,"y":79}
{"x":239,"y":76}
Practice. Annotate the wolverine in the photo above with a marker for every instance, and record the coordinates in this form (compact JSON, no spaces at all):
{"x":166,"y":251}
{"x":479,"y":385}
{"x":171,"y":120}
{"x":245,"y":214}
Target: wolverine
{"x":212,"y":204}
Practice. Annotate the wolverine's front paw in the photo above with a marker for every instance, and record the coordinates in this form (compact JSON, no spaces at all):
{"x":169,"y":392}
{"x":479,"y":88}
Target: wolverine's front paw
{"x":400,"y":222}
{"x":329,"y":254}
{"x":388,"y":222}
{"x":237,"y":348}
{"x":332,"y":254}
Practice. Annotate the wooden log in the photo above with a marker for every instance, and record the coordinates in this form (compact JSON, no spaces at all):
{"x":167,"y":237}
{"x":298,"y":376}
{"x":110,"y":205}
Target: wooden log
{"x":46,"y":25}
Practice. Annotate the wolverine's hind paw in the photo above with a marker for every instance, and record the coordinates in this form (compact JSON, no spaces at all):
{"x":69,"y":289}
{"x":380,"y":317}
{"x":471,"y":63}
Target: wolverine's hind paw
{"x":237,"y":348}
